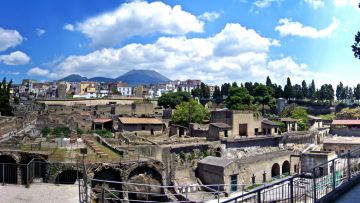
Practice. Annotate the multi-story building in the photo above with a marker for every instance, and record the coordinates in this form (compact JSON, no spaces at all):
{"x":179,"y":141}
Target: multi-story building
{"x":88,"y":87}
{"x":124,"y":89}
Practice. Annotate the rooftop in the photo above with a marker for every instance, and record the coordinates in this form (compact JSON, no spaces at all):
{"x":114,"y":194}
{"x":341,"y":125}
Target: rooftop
{"x":216,"y":161}
{"x":102,"y":120}
{"x":342,"y":140}
{"x":314,"y":117}
{"x":288,"y":120}
{"x":345,"y":122}
{"x":133,"y":120}
{"x":268,"y":122}
{"x":221,"y":125}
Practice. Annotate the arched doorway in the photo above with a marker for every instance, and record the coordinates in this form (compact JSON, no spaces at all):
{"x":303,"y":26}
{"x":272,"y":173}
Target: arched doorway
{"x":8,"y":170}
{"x":101,"y":177}
{"x":149,"y":176}
{"x":286,"y":168}
{"x":275,"y":170}
{"x":68,"y":177}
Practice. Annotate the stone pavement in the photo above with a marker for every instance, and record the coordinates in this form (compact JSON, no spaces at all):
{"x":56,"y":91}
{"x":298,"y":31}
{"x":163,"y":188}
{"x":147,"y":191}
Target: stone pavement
{"x":39,"y":193}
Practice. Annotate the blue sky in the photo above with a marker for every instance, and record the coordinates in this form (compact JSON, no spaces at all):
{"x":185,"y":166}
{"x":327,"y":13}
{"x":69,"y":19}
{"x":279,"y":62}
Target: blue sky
{"x":215,"y":41}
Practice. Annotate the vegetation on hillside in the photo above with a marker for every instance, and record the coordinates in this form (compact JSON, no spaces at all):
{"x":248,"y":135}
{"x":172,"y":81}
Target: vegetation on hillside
{"x":5,"y":108}
{"x":349,"y":113}
{"x":298,"y":113}
{"x":198,"y":113}
{"x":172,"y":99}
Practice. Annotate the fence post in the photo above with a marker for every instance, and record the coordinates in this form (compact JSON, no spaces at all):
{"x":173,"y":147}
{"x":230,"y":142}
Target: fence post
{"x":102,"y":193}
{"x":218,"y":194}
{"x":314,"y":185}
{"x":3,"y":174}
{"x":348,"y":166}
{"x":292,"y":190}
{"x":259,"y":196}
{"x":333,"y":174}
{"x":27,"y":176}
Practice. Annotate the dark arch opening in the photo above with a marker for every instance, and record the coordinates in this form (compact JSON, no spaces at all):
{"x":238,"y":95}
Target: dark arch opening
{"x":149,"y":176}
{"x":218,"y":152}
{"x":286,"y":168}
{"x":275,"y":170}
{"x":108,"y":175}
{"x":38,"y":168}
{"x":8,"y":170}
{"x":68,"y":177}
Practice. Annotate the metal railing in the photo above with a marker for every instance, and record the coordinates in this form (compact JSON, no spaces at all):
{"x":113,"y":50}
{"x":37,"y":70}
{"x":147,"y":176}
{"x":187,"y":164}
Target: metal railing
{"x":324,"y":179}
{"x":12,"y":173}
{"x":291,"y":189}
{"x":328,"y":176}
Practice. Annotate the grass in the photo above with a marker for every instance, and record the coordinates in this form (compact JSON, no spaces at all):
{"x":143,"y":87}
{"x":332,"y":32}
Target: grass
{"x":327,"y":116}
{"x":253,"y":186}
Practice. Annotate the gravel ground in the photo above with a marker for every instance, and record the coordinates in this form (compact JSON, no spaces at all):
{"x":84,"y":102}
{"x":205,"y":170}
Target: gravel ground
{"x":39,"y":193}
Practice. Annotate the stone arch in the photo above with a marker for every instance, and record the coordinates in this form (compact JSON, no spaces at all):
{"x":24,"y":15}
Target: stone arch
{"x":275,"y":170}
{"x":68,"y":176}
{"x":8,"y":169}
{"x":286,"y":167}
{"x":15,"y":156}
{"x":145,"y":174}
{"x":103,"y":175}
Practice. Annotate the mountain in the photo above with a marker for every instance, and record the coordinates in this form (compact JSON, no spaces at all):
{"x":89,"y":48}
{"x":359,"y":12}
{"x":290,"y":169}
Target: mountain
{"x":102,"y":79}
{"x":74,"y":78}
{"x":133,"y":78}
{"x":136,"y":77}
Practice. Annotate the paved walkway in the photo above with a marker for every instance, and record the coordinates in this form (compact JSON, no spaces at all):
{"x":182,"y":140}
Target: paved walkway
{"x":39,"y":193}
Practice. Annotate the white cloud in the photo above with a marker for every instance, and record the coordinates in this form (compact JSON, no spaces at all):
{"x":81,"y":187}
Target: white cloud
{"x":69,"y":27}
{"x":137,"y":18}
{"x":36,"y":71}
{"x":9,"y":38}
{"x":265,"y":3}
{"x":288,"y":27}
{"x":353,"y":3}
{"x":234,"y":54}
{"x":9,"y":72}
{"x":209,"y":16}
{"x":40,"y":31}
{"x":15,"y":58}
{"x":315,"y":3}
{"x":297,"y":72}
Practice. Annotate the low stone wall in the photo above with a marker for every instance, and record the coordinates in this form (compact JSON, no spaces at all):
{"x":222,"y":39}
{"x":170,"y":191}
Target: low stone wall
{"x":108,"y":145}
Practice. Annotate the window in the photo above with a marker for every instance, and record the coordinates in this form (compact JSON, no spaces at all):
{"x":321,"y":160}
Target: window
{"x":233,"y":180}
{"x":256,"y":131}
{"x":142,"y":127}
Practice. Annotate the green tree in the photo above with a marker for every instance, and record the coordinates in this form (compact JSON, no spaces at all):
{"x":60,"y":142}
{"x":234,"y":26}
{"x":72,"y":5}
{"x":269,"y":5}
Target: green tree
{"x":340,"y":91}
{"x":356,"y":46}
{"x":198,"y":113}
{"x":196,"y":92}
{"x":289,"y":91}
{"x":262,"y":96}
{"x":268,"y":82}
{"x":217,"y":97}
{"x":357,"y":92}
{"x":5,"y":108}
{"x":304,"y":89}
{"x":205,"y":91}
{"x":45,"y":131}
{"x":173,"y":99}
{"x":225,"y":89}
{"x":312,"y":91}
{"x":326,"y":92}
{"x":278,"y":92}
{"x":239,"y":99}
{"x":298,"y":91}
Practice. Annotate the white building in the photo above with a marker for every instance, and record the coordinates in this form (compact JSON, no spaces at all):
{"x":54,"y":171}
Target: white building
{"x":125,"y":91}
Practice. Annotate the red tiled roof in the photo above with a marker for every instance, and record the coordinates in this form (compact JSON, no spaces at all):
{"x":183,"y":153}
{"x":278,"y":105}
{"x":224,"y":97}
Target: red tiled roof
{"x":131,"y":120}
{"x":102,"y":120}
{"x":345,"y":122}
